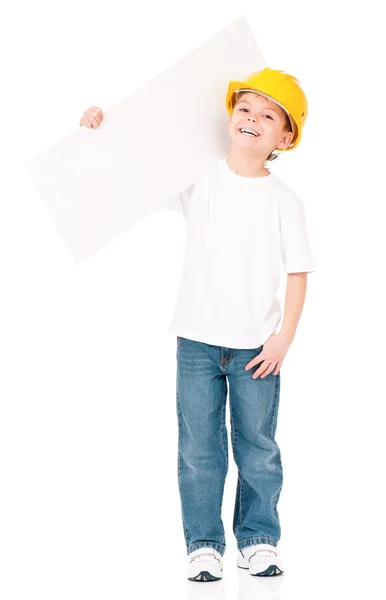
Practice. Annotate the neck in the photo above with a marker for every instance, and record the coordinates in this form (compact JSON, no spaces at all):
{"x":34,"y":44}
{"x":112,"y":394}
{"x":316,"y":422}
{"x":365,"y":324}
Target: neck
{"x":243,"y":162}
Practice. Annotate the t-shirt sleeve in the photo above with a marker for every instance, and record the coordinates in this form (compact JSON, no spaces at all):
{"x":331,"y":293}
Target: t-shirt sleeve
{"x":295,"y":246}
{"x":174,"y":204}
{"x":180,"y":202}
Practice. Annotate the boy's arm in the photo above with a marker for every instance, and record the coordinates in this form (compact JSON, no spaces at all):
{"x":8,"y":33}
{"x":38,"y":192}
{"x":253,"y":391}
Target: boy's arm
{"x":298,"y":260}
{"x":294,"y":302}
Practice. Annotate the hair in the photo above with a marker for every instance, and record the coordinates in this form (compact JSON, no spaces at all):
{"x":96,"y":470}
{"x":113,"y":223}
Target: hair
{"x":287,"y":125}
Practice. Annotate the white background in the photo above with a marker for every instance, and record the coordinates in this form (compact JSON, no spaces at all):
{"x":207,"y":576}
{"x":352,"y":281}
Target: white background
{"x":89,"y":502}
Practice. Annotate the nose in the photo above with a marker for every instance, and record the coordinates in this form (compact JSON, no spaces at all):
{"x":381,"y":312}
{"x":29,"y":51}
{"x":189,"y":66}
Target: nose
{"x":251,"y":119}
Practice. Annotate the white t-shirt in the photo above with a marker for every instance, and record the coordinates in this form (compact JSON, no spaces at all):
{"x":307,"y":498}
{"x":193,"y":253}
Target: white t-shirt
{"x":239,"y":229}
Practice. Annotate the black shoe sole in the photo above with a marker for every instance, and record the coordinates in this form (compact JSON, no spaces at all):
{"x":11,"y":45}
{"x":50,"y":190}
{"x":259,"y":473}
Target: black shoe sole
{"x":204,"y":576}
{"x":269,"y":571}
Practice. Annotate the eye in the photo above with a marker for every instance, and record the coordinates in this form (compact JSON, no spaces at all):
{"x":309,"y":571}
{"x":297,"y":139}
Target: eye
{"x":268,"y":116}
{"x":243,"y":109}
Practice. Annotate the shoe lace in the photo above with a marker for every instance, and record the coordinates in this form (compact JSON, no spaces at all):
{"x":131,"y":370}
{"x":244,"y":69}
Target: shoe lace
{"x":262,"y":550}
{"x":204,"y":554}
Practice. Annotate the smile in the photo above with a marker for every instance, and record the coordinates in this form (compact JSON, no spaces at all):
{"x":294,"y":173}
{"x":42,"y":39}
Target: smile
{"x":247,"y":131}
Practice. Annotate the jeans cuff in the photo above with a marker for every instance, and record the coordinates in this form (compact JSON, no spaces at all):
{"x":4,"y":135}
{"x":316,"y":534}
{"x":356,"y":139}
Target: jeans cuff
{"x":251,"y":541}
{"x":196,"y":545}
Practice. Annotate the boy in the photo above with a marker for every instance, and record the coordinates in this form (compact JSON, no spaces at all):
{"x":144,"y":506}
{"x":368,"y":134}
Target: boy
{"x":242,"y":221}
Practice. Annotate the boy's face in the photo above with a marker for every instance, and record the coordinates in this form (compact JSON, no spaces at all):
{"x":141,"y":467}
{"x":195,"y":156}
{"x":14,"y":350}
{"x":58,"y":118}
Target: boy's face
{"x":265,"y":117}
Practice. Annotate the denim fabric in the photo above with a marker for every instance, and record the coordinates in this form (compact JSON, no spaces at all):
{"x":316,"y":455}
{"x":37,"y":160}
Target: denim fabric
{"x":204,"y":372}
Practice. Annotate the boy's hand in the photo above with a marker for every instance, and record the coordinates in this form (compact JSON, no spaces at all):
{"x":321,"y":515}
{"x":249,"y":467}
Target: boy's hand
{"x":272,"y":355}
{"x":92,"y":117}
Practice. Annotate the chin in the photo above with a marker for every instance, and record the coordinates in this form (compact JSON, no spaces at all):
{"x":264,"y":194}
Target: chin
{"x":240,"y":141}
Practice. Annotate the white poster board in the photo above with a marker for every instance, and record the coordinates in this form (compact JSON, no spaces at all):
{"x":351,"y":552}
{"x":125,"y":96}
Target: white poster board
{"x":96,"y":183}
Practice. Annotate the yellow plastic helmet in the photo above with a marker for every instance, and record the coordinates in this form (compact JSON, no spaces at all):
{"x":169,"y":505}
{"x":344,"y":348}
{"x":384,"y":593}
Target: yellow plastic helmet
{"x":280,"y":87}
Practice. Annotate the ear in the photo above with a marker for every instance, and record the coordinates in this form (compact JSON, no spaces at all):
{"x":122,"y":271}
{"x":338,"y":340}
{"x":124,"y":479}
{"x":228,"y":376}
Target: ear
{"x":285,"y":140}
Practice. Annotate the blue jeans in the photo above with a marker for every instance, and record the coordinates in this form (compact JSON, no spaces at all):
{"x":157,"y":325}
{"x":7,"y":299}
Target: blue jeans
{"x":202,"y":374}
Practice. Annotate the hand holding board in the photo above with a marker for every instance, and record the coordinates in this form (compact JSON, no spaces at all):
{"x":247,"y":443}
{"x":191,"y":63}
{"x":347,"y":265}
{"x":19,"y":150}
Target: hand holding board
{"x":98,"y":183}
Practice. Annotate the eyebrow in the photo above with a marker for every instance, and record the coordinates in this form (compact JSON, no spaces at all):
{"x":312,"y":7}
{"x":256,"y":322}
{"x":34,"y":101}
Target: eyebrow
{"x":265,"y":108}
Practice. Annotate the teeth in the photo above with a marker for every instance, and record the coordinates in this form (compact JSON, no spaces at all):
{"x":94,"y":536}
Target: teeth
{"x":244,"y":129}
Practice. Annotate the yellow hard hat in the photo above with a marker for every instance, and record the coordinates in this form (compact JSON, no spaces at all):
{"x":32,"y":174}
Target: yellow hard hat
{"x":280,"y":87}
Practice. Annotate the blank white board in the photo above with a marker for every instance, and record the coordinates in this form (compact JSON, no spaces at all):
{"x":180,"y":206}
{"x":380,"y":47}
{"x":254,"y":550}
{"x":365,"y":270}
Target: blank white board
{"x":96,"y":183}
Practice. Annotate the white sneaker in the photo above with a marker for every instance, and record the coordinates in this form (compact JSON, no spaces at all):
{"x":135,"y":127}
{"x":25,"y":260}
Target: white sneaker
{"x":205,"y":564}
{"x":261,"y":560}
